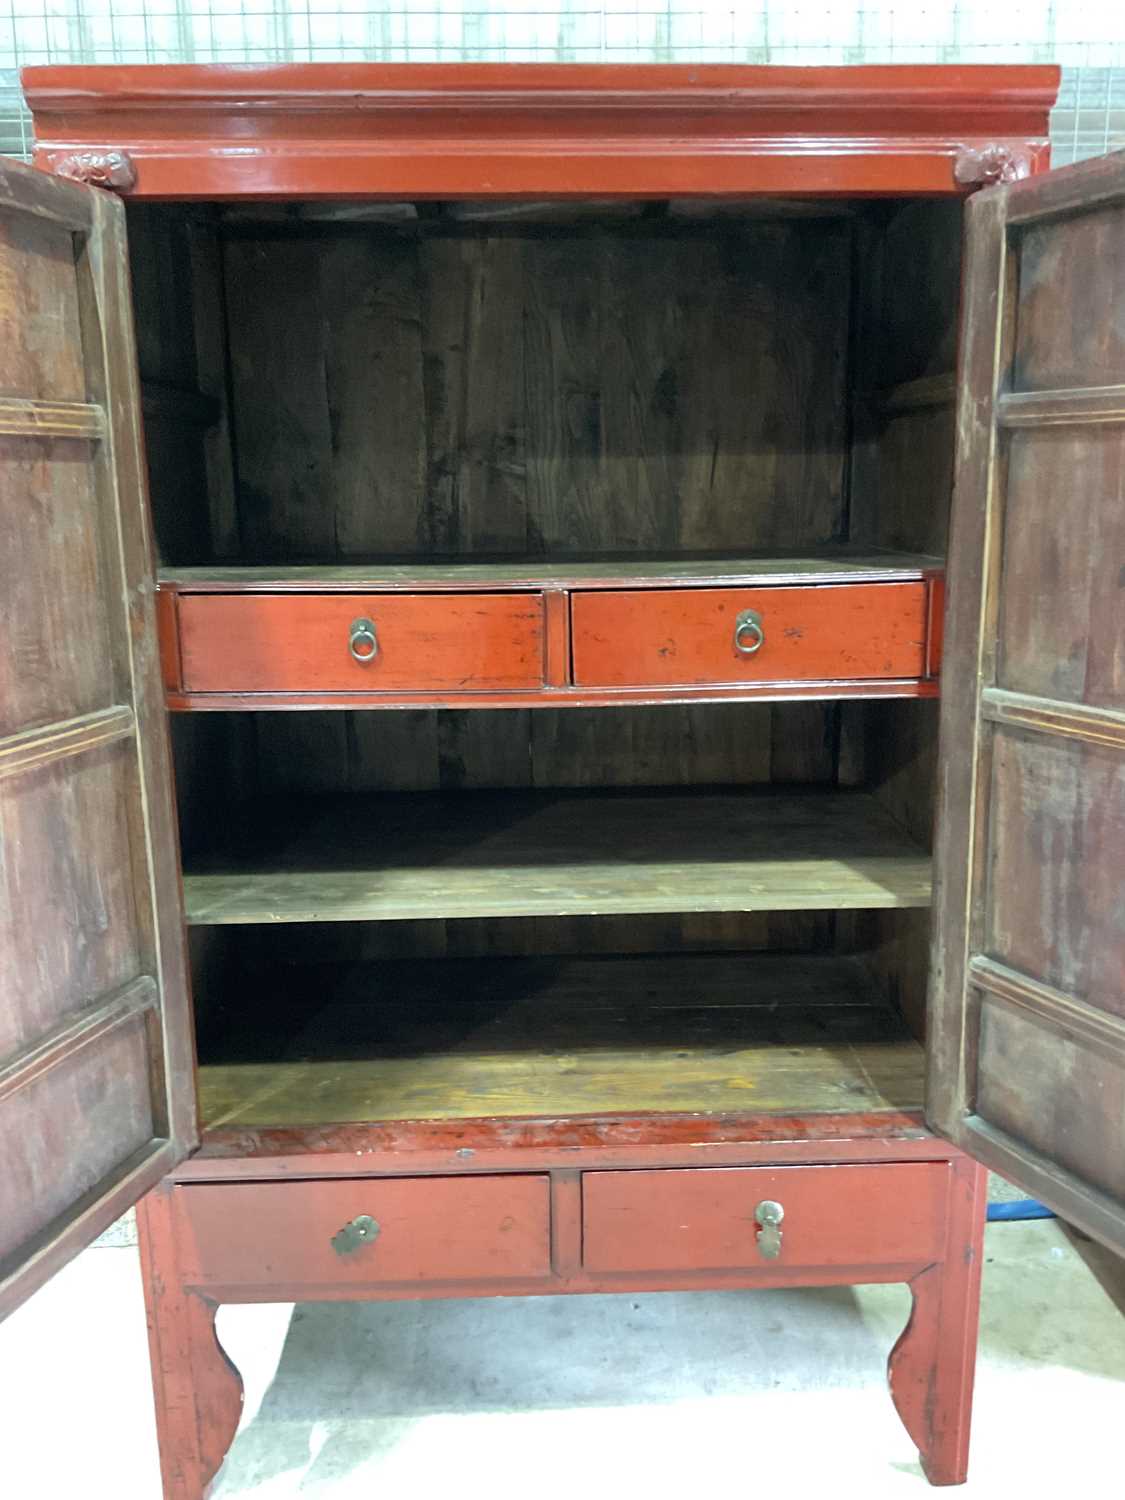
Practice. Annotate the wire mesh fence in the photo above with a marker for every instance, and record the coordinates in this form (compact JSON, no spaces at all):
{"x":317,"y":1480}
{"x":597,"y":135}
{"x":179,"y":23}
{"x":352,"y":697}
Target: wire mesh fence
{"x":1087,"y":39}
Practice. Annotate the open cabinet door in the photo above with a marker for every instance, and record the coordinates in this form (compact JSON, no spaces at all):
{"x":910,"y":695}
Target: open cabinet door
{"x":1027,"y":1009}
{"x":96,"y":1068}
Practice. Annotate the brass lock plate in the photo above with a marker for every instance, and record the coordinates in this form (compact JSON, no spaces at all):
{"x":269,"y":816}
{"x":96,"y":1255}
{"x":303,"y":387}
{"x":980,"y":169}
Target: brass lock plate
{"x":768,"y":1216}
{"x":361,"y":1231}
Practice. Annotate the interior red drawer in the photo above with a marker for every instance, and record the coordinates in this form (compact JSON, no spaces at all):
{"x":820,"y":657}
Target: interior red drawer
{"x":705,"y":1218}
{"x":255,"y":643}
{"x":369,"y":1231}
{"x":692,"y":637}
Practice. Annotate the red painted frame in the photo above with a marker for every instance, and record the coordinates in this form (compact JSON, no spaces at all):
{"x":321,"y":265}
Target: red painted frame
{"x":496,"y":131}
{"x":199,"y":1394}
{"x":339,"y":130}
{"x":558,"y":689}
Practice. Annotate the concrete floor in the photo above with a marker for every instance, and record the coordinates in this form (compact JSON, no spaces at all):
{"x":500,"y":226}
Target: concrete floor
{"x":666,"y":1397}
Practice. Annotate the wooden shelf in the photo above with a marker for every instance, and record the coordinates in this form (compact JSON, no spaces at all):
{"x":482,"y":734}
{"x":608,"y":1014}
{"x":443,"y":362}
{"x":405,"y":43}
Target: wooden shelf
{"x":466,"y":1038}
{"x":394,"y":858}
{"x":833,"y":565}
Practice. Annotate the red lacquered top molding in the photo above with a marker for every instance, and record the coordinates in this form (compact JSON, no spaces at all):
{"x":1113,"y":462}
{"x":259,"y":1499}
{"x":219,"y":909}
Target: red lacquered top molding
{"x":342,"y":130}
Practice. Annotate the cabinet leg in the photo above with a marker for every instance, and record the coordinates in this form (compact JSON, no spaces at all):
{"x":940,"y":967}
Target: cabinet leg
{"x":197,"y":1391}
{"x":931,"y":1368}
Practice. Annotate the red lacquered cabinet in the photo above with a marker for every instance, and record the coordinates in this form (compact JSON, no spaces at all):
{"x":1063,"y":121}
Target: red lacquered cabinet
{"x":479,"y":570}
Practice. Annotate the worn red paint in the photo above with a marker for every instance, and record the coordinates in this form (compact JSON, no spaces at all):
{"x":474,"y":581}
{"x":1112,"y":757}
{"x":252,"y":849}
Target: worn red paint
{"x":671,"y":637}
{"x":334,"y":130}
{"x":300,"y":643}
{"x":348,"y":130}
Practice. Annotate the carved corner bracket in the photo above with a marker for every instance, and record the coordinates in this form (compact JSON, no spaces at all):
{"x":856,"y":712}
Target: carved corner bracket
{"x":104,"y":169}
{"x":982,"y":166}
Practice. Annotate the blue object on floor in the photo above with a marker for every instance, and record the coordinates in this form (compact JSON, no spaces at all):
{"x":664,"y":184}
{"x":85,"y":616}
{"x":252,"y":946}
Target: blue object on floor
{"x":1021,"y":1208}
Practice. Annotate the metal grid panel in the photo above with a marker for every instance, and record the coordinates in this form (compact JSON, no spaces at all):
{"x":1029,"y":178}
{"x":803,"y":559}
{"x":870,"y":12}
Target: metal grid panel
{"x":1088,"y":39}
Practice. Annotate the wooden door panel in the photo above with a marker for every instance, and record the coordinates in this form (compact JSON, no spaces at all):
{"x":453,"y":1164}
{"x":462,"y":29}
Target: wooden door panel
{"x":1061,"y":620}
{"x":96,"y":1069}
{"x":1056,"y":839}
{"x":1071,"y":278}
{"x":57,"y":660}
{"x":1020,"y":1046}
{"x":39,"y":310}
{"x":1027,"y":1034}
{"x":70,"y":1127}
{"x":69,"y":918}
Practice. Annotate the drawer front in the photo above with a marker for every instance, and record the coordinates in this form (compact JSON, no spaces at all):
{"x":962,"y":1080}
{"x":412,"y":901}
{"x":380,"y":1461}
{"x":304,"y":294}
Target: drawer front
{"x":255,"y":643}
{"x":397,"y":1231}
{"x":692,"y":637}
{"x":704,"y":1219}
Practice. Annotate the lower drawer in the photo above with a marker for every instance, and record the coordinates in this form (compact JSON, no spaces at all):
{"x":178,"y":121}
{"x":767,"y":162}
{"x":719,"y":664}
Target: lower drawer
{"x":706,"y":1218}
{"x":695,"y":637}
{"x":369,"y":1231}
{"x":360,"y":643}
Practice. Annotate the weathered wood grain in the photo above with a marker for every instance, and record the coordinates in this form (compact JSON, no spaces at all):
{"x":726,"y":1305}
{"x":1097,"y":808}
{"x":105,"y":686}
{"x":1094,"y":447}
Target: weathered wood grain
{"x":1061,"y":625}
{"x":1032,"y":823}
{"x":177,"y":442}
{"x":477,"y":1037}
{"x":370,"y":301}
{"x":112,"y":378}
{"x":1088,"y":406}
{"x":514,"y":392}
{"x":1070,"y":1072}
{"x":554,"y":855}
{"x":905,"y":351}
{"x":1047,"y":1005}
{"x":39,"y":308}
{"x":1053,"y":906}
{"x":1094,"y":726}
{"x":57,"y":661}
{"x":20,"y":417}
{"x":209,"y":326}
{"x":284,"y":465}
{"x":905,"y":348}
{"x":99,"y":1096}
{"x":990,"y":282}
{"x":641,"y":570}
{"x":919,"y":291}
{"x":546,"y":383}
{"x":80,"y":1029}
{"x":38,"y":747}
{"x":98,"y":1090}
{"x":1082,"y":347}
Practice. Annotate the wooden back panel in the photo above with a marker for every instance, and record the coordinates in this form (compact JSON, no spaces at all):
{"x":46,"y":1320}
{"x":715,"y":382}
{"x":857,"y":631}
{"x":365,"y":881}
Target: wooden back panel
{"x":539,"y":390}
{"x":536,"y":390}
{"x":901,"y":481}
{"x":96,"y":1087}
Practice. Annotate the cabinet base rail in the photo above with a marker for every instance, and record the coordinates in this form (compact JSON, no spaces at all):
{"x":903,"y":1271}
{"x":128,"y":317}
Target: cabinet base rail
{"x":838,"y":1222}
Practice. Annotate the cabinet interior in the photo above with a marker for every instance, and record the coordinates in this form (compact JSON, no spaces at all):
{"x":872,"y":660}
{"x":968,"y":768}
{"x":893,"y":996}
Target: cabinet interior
{"x":716,"y":907}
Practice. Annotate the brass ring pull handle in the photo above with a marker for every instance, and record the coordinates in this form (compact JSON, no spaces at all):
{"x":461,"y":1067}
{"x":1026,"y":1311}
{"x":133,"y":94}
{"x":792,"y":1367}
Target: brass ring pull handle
{"x":768,"y":1216}
{"x":362,"y":641}
{"x":749,"y":633}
